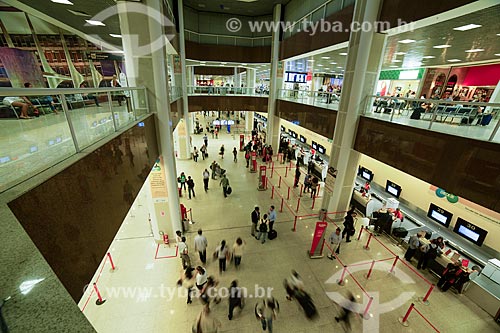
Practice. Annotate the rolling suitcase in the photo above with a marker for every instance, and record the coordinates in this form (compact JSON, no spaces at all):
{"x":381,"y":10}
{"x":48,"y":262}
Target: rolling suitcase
{"x":486,"y":119}
{"x":272,"y":234}
{"x":400,"y":232}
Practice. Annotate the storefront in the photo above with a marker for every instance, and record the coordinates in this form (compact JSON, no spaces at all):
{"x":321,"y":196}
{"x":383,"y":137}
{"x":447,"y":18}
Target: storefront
{"x":399,"y":82}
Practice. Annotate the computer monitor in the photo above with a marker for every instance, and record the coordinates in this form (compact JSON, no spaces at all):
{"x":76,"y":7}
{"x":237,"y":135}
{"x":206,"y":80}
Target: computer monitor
{"x":393,"y":188}
{"x":294,"y":135}
{"x":365,"y":174}
{"x":470,"y":231}
{"x":314,"y":145}
{"x":283,"y":129}
{"x":439,"y":215}
{"x":303,"y":139}
{"x":321,"y":149}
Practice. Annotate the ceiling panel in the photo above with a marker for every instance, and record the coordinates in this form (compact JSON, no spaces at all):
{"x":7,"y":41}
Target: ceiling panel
{"x":236,"y":7}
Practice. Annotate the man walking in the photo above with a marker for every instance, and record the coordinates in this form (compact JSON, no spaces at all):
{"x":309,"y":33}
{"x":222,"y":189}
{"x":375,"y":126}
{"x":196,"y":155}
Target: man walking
{"x":200,"y":245}
{"x":205,"y":140}
{"x":413,"y":245}
{"x":190,"y":184}
{"x":206,"y":178}
{"x":297,"y":176}
{"x":235,"y":154}
{"x":335,"y":239}
{"x":349,"y":226}
{"x":255,"y":219}
{"x":272,"y":217}
{"x":203,"y":151}
{"x":225,"y":184}
{"x":183,"y":250}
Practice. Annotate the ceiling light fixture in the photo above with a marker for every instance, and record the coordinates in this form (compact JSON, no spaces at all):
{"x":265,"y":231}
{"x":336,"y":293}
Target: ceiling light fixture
{"x":115,"y":35}
{"x":320,"y":65}
{"x":394,"y":66}
{"x":343,"y":53}
{"x":407,"y":41}
{"x":399,"y":53}
{"x":339,"y":67}
{"x":396,"y":60}
{"x":441,"y":46}
{"x":96,"y":23}
{"x":454,"y":60}
{"x":333,"y":63}
{"x":223,"y":63}
{"x":497,"y":54}
{"x":78,"y":13}
{"x":428,"y":57}
{"x":311,"y":60}
{"x":325,"y":57}
{"x":474,"y":50}
{"x":63,"y":2}
{"x":244,"y":64}
{"x":467,"y":27}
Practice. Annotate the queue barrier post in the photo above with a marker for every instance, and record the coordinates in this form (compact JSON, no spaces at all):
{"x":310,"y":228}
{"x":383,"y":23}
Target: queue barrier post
{"x":341,"y":281}
{"x":301,"y":187}
{"x":425,"y":300}
{"x":272,"y":170}
{"x":298,"y":205}
{"x":113,"y":267}
{"x":99,"y":300}
{"x":365,"y":314}
{"x":319,"y":189}
{"x":360,"y":232}
{"x":288,"y":197}
{"x":404,"y":321}
{"x":272,"y":193}
{"x":367,"y":246}
{"x":294,"y":224}
{"x":279,"y":183}
{"x":370,"y":270}
{"x":394,"y":264}
{"x":314,"y":201}
{"x":324,"y":217}
{"x":281,"y":208}
{"x":286,"y":172}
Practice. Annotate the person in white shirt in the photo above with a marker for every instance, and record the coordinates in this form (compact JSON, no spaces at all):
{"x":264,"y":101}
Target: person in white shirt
{"x":271,"y":217}
{"x":206,"y":178}
{"x":222,"y":252}
{"x":200,"y":245}
{"x":335,"y":240}
{"x":238,"y":248}
{"x":201,"y":277}
{"x":183,"y":251}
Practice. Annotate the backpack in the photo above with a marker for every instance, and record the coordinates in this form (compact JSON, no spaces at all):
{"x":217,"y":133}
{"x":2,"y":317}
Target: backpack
{"x":263,"y":227}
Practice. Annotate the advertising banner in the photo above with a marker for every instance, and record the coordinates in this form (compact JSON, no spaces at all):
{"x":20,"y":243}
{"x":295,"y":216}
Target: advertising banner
{"x":318,"y":240}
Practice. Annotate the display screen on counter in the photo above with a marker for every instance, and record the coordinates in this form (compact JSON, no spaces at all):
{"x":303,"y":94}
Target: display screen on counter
{"x":294,"y":135}
{"x":302,"y":139}
{"x":321,"y":149}
{"x":365,"y":174}
{"x":470,"y":231}
{"x":439,"y":215}
{"x":393,"y":189}
{"x":314,"y":145}
{"x":290,"y":132}
{"x":283,"y":129}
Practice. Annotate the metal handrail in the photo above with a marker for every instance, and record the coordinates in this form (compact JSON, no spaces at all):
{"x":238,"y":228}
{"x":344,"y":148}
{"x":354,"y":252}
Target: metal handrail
{"x":226,"y":36}
{"x":60,"y":91}
{"x":436,"y":101}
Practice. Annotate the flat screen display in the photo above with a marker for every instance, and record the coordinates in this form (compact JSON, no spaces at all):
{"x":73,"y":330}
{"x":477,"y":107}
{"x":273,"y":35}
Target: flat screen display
{"x":283,"y":129}
{"x":470,"y":231}
{"x":295,"y":77}
{"x":365,"y":174}
{"x":439,"y":215}
{"x":314,"y":145}
{"x":290,"y":132}
{"x":321,"y":149}
{"x":393,"y":189}
{"x":302,"y":139}
{"x":294,"y":135}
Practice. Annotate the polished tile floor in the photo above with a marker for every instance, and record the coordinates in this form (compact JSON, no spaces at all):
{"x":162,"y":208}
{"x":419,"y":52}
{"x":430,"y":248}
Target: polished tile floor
{"x":152,"y":302}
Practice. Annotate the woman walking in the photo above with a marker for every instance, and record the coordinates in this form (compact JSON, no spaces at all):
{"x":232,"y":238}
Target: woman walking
{"x":238,"y":248}
{"x":222,"y":253}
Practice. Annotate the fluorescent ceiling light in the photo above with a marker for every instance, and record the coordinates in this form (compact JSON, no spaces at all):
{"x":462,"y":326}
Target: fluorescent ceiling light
{"x":394,"y":66}
{"x":64,"y":2}
{"x":97,"y":23}
{"x":474,"y":50}
{"x":116,"y":52}
{"x":497,"y":54}
{"x":244,"y":64}
{"x":396,"y":60}
{"x":325,"y":57}
{"x":339,"y":67}
{"x":441,"y":46}
{"x":454,"y":60}
{"x":78,"y":13}
{"x":333,"y":63}
{"x":407,"y":41}
{"x":343,"y":53}
{"x":399,"y":53}
{"x":223,"y":63}
{"x":467,"y":27}
{"x":116,"y":35}
{"x":428,"y":57}
{"x":320,"y":65}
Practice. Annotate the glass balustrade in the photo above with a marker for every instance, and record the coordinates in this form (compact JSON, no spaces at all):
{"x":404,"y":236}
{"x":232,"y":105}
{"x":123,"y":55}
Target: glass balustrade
{"x":327,"y":100}
{"x":226,"y":91}
{"x":41,"y":127}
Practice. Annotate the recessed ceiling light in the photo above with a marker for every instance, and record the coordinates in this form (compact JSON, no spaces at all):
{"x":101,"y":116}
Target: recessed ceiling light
{"x":325,"y":57}
{"x":64,"y":2}
{"x":394,"y":66}
{"x":311,"y":60}
{"x":467,"y":27}
{"x":474,"y":50}
{"x":116,"y":35}
{"x":428,"y":57}
{"x":497,"y":54}
{"x":97,"y":23}
{"x":223,"y":63}
{"x":407,"y":41}
{"x":396,"y":60}
{"x":333,"y":63}
{"x":454,"y":60}
{"x":320,"y":65}
{"x":441,"y":46}
{"x":339,"y":67}
{"x":78,"y":13}
{"x":399,"y":53}
{"x":343,"y":53}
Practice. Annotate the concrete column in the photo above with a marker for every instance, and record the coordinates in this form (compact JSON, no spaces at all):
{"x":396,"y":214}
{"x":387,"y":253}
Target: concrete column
{"x":249,"y":121}
{"x":361,"y":73}
{"x":251,"y":80}
{"x":273,"y":123}
{"x":150,"y":70}
{"x":185,"y":153}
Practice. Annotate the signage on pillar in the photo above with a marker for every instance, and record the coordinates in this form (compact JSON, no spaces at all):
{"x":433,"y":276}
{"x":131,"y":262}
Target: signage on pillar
{"x":281,"y":69}
{"x":177,"y":65}
{"x":318,"y":240}
{"x":158,"y":182}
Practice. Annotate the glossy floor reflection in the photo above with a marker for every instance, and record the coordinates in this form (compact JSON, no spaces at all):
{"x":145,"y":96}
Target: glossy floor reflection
{"x":149,"y":300}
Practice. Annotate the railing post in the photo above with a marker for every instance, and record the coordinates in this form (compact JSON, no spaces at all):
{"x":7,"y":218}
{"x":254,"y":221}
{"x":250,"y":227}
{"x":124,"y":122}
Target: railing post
{"x":110,"y":104}
{"x":394,"y":264}
{"x":294,"y":224}
{"x":361,"y":231}
{"x":366,"y":247}
{"x":404,"y":321}
{"x":64,"y":104}
{"x":370,"y":270}
{"x":298,"y":205}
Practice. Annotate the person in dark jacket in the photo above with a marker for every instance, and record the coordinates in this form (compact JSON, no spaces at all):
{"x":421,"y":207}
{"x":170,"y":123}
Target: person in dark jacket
{"x":348,"y":226}
{"x":190,"y":184}
{"x":255,"y":220}
{"x":297,"y":177}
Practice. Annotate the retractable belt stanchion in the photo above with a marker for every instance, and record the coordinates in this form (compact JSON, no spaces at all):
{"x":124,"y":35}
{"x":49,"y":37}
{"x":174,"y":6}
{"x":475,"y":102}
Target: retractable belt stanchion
{"x":341,"y":281}
{"x":425,"y":300}
{"x":365,"y":314}
{"x":288,"y":197}
{"x":281,"y":208}
{"x":370,"y":270}
{"x":294,"y":224}
{"x":272,"y":192}
{"x":394,"y":264}
{"x":298,"y":205}
{"x":113,"y":267}
{"x":404,"y":321}
{"x":360,"y":231}
{"x":367,"y":247}
{"x":99,"y":300}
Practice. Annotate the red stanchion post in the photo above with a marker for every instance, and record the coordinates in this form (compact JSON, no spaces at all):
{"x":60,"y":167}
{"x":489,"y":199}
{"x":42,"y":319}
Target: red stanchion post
{"x":366,"y":247}
{"x":341,"y":281}
{"x":404,"y":320}
{"x":314,"y":201}
{"x":99,"y":300}
{"x":370,"y":270}
{"x":286,"y":172}
{"x":111,"y":261}
{"x":425,"y":300}
{"x":279,"y":183}
{"x":272,"y":170}
{"x":298,"y":205}
{"x":365,"y":314}
{"x":288,"y":197}
{"x":301,"y":188}
{"x":272,"y":193}
{"x":319,"y":188}
{"x":324,"y":217}
{"x":282,"y":201}
{"x":360,"y":232}
{"x":294,"y":224}
{"x":394,"y":264}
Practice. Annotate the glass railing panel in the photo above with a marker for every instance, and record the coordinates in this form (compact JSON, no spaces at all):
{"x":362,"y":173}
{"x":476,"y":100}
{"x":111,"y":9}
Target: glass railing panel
{"x":327,"y":100}
{"x":139,"y":102}
{"x":122,"y":108}
{"x":228,"y":91}
{"x":29,"y":146}
{"x":474,"y":120}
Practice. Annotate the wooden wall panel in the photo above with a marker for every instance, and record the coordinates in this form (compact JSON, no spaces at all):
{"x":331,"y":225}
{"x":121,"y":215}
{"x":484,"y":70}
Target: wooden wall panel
{"x":227,"y":103}
{"x":211,"y":70}
{"x":228,"y":53}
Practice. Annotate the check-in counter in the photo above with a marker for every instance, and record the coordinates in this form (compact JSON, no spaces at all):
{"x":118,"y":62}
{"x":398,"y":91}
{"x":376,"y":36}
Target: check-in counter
{"x":486,"y":294}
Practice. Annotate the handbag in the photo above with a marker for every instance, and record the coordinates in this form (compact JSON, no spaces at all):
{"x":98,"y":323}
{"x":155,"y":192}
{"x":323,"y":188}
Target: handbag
{"x":229,"y":190}
{"x":352,"y":232}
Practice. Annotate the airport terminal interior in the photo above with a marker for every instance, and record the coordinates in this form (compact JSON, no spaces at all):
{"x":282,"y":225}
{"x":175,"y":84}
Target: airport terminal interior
{"x":337,"y":160}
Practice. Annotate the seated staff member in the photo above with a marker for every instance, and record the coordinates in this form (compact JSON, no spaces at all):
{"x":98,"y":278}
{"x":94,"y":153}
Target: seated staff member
{"x":451,"y":275}
{"x":430,"y":251}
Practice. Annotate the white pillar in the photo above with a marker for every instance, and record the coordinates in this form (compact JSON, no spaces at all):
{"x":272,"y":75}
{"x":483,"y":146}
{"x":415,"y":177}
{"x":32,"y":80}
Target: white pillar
{"x":361,"y":74}
{"x":273,"y":132}
{"x":186,"y":153}
{"x":249,"y":121}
